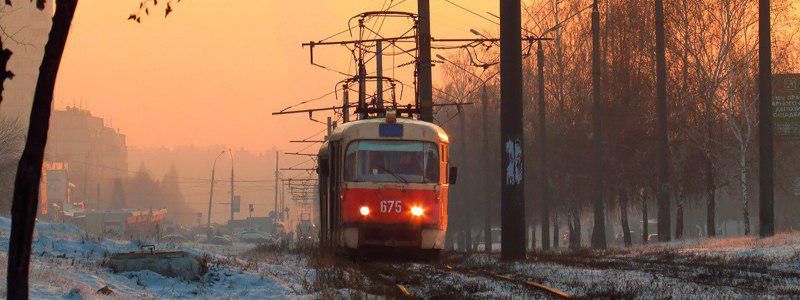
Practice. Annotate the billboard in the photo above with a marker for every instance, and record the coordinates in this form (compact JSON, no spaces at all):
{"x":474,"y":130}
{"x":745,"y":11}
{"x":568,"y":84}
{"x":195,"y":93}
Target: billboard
{"x":786,"y":106}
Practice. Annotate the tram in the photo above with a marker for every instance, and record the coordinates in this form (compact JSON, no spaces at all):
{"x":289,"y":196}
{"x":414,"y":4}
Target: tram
{"x":383,"y":185}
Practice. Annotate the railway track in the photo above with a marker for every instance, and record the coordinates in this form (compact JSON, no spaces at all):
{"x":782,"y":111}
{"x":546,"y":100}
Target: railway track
{"x":535,"y":285}
{"x":432,"y":280}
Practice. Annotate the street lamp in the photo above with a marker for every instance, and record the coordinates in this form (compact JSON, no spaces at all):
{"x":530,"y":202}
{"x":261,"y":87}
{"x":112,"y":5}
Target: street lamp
{"x":231,"y":154}
{"x":211,"y":195}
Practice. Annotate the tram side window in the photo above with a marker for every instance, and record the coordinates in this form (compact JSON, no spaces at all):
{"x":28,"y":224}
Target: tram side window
{"x":392,"y":161}
{"x":431,"y":163}
{"x":443,"y":167}
{"x":350,"y":167}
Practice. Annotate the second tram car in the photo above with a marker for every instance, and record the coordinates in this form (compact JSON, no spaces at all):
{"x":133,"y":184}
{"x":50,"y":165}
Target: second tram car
{"x":384,"y":184}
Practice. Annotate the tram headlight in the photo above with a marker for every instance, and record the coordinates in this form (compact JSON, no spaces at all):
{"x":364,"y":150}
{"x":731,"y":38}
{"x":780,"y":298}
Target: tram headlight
{"x":417,"y":211}
{"x":364,"y":211}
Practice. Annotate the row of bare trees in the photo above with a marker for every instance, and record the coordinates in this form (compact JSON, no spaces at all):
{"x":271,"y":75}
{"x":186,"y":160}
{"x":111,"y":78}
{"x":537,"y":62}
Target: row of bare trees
{"x":711,"y":70}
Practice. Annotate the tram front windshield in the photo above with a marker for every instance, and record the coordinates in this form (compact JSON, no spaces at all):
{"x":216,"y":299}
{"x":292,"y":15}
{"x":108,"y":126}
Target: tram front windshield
{"x":392,"y":161}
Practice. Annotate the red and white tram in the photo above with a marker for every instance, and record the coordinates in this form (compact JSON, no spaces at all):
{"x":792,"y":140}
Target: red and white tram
{"x":384,"y":183}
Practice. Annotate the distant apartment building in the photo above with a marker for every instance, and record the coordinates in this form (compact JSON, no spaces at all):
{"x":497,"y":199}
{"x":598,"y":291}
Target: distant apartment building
{"x":97,"y":154}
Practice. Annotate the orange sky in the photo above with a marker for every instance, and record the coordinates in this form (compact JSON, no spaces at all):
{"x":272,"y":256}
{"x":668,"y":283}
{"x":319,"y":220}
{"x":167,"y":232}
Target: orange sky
{"x":214,"y":71}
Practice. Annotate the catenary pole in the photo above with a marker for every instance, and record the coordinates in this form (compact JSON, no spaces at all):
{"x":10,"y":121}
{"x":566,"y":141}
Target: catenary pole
{"x":512,"y":203}
{"x":766,"y":212}
{"x":425,"y":81}
{"x":599,"y":230}
{"x":662,"y":140}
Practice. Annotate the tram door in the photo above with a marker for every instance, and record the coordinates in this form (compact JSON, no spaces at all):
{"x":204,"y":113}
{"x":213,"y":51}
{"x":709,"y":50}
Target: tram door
{"x":335,"y":198}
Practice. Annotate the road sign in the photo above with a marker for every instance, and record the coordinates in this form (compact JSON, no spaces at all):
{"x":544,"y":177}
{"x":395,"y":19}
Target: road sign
{"x":235,"y":205}
{"x":786,"y":106}
{"x":252,"y":209}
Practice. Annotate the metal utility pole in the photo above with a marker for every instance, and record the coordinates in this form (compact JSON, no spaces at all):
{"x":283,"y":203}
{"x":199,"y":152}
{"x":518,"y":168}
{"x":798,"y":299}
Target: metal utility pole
{"x":211,"y":194}
{"x":346,"y":103}
{"x":487,"y":209}
{"x":362,"y":90}
{"x":425,"y":81}
{"x":599,"y":230}
{"x":662,"y":141}
{"x":231,"y":154}
{"x":97,"y":201}
{"x":542,"y":141}
{"x":277,"y":169}
{"x":512,"y":204}
{"x":283,"y":197}
{"x":766,"y":210}
{"x":379,"y":72}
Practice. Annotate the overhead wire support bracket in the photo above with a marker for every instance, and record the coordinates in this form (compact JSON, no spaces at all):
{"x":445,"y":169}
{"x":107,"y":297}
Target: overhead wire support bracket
{"x":301,"y":154}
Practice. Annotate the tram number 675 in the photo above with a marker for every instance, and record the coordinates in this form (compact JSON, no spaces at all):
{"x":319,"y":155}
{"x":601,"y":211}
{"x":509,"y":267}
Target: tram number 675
{"x":388,"y":206}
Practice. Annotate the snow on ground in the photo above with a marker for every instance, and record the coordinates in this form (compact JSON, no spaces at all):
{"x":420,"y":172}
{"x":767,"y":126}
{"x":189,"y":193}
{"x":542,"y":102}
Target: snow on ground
{"x":67,"y":264}
{"x":741,"y":267}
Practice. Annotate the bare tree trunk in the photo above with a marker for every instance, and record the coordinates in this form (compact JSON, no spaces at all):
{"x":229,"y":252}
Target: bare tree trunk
{"x":623,"y":208}
{"x":662,"y":140}
{"x":555,"y":229}
{"x":541,"y":136}
{"x":743,"y":183}
{"x":575,"y":235}
{"x":711,"y":211}
{"x":571,"y":231}
{"x":487,"y":226}
{"x":645,"y":228}
{"x":466,"y":207}
{"x":29,"y":170}
{"x":679,"y":215}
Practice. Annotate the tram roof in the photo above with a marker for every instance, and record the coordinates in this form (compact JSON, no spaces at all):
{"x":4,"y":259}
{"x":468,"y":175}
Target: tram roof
{"x":368,"y":129}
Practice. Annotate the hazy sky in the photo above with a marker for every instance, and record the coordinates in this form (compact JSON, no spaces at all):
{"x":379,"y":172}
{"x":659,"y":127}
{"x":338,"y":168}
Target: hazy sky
{"x":213,"y":71}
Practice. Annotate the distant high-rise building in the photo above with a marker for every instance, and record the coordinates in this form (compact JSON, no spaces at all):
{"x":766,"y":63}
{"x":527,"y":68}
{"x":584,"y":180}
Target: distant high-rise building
{"x":97,"y":154}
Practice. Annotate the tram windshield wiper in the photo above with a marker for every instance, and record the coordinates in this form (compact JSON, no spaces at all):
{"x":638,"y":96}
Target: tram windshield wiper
{"x":392,"y":173}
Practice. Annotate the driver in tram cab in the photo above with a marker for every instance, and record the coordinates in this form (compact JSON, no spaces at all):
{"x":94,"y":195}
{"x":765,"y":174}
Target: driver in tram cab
{"x":408,"y":165}
{"x":376,"y":163}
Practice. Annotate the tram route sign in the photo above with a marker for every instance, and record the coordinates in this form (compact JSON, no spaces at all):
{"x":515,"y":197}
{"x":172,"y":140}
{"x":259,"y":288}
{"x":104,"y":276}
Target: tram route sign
{"x":786,"y":106}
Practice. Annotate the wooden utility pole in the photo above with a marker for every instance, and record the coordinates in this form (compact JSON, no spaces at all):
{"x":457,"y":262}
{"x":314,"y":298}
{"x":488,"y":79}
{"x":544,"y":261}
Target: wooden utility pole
{"x":662,"y":140}
{"x":599,"y":230}
{"x":542,"y":141}
{"x":512,"y":204}
{"x":424,"y":93}
{"x":766,"y":212}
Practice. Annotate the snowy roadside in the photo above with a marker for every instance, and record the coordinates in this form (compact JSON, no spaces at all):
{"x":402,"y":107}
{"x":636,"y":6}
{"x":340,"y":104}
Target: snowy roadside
{"x":67,"y":264}
{"x":742,"y":267}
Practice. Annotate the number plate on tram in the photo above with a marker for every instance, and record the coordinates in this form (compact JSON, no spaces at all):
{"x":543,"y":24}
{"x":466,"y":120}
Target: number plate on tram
{"x":391,"y":206}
